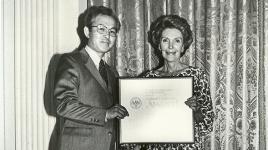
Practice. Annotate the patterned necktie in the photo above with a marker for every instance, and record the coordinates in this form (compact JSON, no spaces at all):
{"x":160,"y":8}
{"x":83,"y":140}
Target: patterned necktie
{"x":103,"y":72}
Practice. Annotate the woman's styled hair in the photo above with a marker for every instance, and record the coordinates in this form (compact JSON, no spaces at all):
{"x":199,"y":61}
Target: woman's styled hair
{"x":170,"y":21}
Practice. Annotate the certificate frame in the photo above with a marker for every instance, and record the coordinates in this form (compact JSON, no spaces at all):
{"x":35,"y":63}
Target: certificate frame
{"x":135,"y":103}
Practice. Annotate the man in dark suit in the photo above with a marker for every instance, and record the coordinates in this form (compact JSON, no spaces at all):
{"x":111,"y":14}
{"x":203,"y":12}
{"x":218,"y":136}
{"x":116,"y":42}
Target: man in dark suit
{"x":86,"y":88}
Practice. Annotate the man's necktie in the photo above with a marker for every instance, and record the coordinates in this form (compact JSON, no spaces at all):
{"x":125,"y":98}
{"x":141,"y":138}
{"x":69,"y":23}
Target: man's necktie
{"x":103,"y":72}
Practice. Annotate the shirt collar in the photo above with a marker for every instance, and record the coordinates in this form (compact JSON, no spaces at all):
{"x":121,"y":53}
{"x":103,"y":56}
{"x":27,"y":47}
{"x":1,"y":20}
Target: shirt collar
{"x":93,"y":55}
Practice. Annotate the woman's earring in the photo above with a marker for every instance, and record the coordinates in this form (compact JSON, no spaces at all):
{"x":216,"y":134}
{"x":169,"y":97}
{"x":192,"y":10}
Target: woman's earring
{"x":159,"y":47}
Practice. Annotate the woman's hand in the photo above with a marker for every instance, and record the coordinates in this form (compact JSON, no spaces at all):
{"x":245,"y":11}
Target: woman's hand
{"x":192,"y":103}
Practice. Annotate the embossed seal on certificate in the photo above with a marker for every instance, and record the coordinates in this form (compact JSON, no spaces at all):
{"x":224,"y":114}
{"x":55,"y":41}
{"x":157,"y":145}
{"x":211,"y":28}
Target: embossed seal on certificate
{"x":135,"y":102}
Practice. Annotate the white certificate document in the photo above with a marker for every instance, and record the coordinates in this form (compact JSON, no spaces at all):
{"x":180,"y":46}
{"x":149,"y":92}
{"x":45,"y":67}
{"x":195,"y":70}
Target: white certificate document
{"x":157,"y":112}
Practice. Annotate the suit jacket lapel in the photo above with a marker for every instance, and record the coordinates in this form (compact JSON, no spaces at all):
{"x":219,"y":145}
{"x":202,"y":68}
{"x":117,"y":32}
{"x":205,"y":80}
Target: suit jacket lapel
{"x":92,"y":68}
{"x":110,"y":82}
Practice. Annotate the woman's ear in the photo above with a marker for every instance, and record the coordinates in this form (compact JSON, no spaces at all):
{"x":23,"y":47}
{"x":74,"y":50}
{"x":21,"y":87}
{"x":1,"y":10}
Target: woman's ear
{"x":86,"y":31}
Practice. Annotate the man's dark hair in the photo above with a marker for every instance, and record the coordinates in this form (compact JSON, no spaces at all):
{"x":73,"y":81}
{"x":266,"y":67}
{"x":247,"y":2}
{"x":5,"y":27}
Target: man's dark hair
{"x":87,"y":18}
{"x":92,"y":12}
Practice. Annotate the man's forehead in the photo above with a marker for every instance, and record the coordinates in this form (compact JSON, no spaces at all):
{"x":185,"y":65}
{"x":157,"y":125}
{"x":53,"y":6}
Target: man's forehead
{"x":104,"y":20}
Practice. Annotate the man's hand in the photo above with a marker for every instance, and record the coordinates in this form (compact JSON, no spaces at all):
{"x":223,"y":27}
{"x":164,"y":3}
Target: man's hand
{"x":116,"y":111}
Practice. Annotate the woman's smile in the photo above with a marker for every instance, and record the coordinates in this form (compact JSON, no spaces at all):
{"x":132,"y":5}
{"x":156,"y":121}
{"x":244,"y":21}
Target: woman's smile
{"x":171,"y":52}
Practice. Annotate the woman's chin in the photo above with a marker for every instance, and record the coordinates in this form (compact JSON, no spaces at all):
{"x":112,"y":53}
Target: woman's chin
{"x":171,"y":59}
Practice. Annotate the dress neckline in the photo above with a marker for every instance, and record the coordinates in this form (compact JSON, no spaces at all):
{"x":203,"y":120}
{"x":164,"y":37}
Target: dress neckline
{"x":174,"y":73}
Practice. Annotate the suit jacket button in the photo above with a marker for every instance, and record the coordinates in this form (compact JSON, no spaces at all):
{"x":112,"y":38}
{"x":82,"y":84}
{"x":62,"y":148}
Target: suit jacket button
{"x":110,"y":133}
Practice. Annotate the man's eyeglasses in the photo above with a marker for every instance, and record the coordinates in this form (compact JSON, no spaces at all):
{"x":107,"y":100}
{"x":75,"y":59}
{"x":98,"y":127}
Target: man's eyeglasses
{"x":102,"y":29}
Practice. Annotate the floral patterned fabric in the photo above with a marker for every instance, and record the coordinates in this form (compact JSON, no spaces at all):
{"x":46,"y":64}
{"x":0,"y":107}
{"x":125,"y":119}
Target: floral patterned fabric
{"x":202,"y":127}
{"x":230,"y":44}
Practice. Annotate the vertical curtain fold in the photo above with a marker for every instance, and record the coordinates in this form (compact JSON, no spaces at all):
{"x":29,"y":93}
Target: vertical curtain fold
{"x":213,"y":48}
{"x":263,"y":102}
{"x":148,"y":51}
{"x":7,"y":75}
{"x":34,"y":24}
{"x":130,"y":51}
{"x":200,"y":31}
{"x":230,"y":44}
{"x":120,"y":45}
{"x":138,"y":58}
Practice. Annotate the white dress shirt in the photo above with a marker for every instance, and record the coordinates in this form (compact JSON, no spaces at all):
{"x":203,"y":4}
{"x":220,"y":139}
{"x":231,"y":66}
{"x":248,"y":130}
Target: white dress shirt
{"x":94,"y":56}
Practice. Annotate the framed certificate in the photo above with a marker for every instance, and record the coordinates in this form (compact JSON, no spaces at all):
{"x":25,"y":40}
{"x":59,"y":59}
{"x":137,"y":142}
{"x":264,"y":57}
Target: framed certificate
{"x":157,"y":112}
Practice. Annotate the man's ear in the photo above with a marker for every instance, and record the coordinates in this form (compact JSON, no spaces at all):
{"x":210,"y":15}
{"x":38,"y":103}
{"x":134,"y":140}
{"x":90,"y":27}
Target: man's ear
{"x":86,"y":31}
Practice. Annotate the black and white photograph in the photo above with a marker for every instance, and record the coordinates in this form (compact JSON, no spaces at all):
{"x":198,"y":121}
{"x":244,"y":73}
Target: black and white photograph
{"x":134,"y":75}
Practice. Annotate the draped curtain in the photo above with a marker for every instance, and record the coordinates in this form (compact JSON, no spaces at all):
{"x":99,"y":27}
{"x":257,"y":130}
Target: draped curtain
{"x":229,"y":44}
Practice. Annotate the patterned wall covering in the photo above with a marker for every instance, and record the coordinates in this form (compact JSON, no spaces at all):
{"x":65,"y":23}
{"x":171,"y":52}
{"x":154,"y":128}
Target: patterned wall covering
{"x":229,"y":43}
